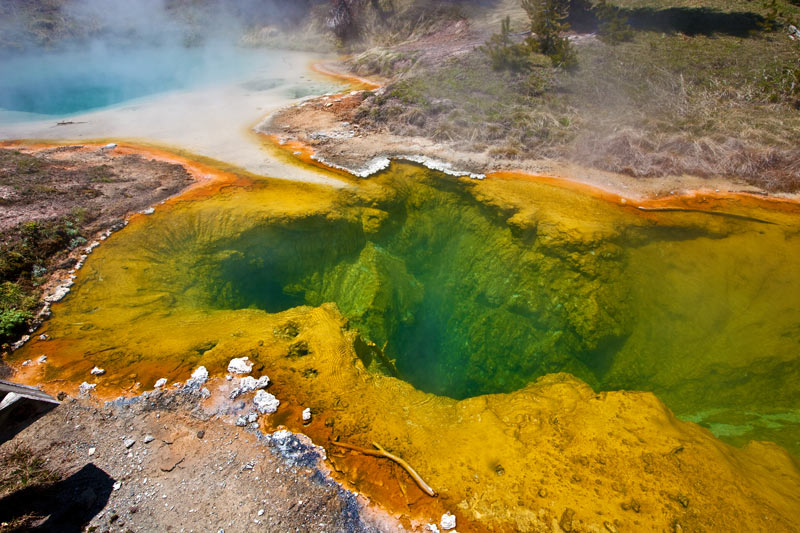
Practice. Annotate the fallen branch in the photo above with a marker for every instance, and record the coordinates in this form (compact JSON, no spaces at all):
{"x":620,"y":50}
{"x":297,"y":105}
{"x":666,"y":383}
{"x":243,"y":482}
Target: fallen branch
{"x":380,"y":452}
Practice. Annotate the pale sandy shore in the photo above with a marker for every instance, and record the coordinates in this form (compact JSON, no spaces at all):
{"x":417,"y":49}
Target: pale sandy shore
{"x":215,"y":121}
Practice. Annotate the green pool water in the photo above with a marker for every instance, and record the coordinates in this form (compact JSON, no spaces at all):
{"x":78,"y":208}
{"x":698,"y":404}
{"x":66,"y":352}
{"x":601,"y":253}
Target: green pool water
{"x":471,"y":293}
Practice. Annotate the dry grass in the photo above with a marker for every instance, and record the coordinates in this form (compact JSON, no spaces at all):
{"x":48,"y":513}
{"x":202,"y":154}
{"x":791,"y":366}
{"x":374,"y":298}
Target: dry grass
{"x":638,"y":153}
{"x":21,"y":467}
{"x":665,"y":103}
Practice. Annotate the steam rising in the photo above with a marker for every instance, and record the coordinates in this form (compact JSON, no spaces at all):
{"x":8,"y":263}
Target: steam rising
{"x":75,"y":55}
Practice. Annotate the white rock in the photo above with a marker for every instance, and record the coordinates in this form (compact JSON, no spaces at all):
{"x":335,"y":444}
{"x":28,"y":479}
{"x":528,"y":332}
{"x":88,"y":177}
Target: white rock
{"x":129,"y":442}
{"x":432,"y":528}
{"x":160,"y":383}
{"x":27,"y":362}
{"x":148,"y":439}
{"x":148,"y":211}
{"x":43,"y":337}
{"x":109,"y":146}
{"x":261,"y":512}
{"x":42,"y":359}
{"x":199,"y":377}
{"x":117,"y":485}
{"x":86,"y":388}
{"x":17,"y":345}
{"x":265,"y":402}
{"x":58,"y":294}
{"x":249,"y":384}
{"x":97,"y":371}
{"x":241,"y":421}
{"x":91,"y":451}
{"x":240,"y":365}
{"x":252,"y":417}
{"x":448,"y":521}
{"x":306,"y":415}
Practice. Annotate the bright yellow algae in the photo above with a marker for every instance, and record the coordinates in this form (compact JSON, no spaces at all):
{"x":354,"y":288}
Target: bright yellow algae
{"x":190,"y":285}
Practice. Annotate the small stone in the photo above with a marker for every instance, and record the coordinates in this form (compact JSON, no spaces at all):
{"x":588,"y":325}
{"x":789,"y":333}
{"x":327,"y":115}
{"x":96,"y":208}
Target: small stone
{"x":117,"y":485}
{"x":199,"y":378}
{"x":611,"y":528}
{"x":241,"y":421}
{"x":86,"y":388}
{"x":129,"y":442}
{"x":252,"y":417}
{"x":160,"y":383}
{"x":27,"y":362}
{"x":97,"y":371}
{"x":148,"y":439}
{"x":240,"y":365}
{"x":248,"y":384}
{"x":148,"y":211}
{"x":261,"y":512}
{"x":43,"y":337}
{"x":448,"y":521}
{"x":683,"y":500}
{"x":566,"y":519}
{"x":265,"y":402}
{"x":542,"y":493}
{"x":91,"y":451}
{"x":201,"y":434}
{"x":42,"y":359}
{"x":306,"y":415}
{"x":169,"y":464}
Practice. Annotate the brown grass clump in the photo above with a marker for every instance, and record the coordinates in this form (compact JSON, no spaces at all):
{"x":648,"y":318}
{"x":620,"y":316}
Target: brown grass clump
{"x":640,"y":154}
{"x":21,"y":467}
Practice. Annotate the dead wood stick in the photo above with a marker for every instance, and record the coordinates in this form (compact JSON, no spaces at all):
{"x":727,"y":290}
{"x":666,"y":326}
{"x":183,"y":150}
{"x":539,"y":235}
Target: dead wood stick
{"x":380,"y":452}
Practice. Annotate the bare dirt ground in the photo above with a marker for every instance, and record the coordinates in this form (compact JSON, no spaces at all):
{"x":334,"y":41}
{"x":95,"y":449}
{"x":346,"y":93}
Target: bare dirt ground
{"x":163,"y":463}
{"x":54,"y":182}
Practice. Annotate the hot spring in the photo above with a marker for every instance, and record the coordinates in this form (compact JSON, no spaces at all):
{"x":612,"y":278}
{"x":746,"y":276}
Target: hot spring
{"x":68,"y":83}
{"x":461,"y":288}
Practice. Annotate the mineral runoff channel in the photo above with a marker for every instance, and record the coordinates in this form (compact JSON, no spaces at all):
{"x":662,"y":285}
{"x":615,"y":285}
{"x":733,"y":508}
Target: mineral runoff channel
{"x":490,"y":332}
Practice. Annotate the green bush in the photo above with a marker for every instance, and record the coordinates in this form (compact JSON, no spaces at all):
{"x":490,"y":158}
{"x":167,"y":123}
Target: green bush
{"x":548,"y":24}
{"x":506,"y":55}
{"x":613,"y":28}
{"x":12,"y":323}
{"x":16,"y":310}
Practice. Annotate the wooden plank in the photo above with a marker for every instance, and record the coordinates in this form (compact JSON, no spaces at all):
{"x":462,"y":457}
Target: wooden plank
{"x":25,"y":391}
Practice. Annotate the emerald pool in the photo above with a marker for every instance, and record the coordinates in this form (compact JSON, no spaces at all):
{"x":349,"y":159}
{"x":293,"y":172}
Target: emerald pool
{"x":467,"y":288}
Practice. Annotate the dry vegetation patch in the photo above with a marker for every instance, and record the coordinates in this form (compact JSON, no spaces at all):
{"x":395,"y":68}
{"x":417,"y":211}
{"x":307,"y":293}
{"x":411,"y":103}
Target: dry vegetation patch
{"x":704,"y":91}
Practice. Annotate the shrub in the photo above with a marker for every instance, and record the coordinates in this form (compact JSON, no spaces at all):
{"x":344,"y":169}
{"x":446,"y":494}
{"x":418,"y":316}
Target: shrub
{"x":613,"y":27}
{"x":16,"y":308}
{"x":548,"y":23}
{"x":506,"y":55}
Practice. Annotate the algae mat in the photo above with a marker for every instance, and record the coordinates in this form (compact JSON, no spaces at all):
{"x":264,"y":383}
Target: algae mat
{"x":445,"y":319}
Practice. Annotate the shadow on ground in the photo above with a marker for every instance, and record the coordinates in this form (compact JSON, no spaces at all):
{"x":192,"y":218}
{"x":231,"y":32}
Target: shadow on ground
{"x":63,"y":507}
{"x":686,"y":20}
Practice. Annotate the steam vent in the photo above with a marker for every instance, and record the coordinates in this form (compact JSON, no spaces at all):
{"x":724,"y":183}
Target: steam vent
{"x":460,"y":322}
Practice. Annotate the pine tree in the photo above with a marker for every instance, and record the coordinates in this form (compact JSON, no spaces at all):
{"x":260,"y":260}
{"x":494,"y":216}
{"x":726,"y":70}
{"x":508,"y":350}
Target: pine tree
{"x":613,"y":27}
{"x":505,"y":54}
{"x":548,"y":24}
